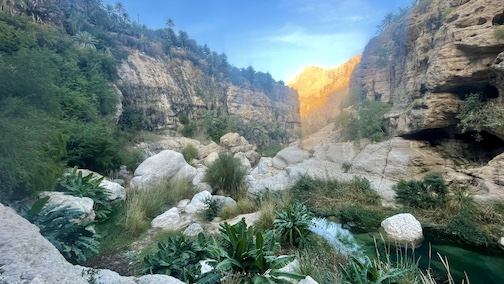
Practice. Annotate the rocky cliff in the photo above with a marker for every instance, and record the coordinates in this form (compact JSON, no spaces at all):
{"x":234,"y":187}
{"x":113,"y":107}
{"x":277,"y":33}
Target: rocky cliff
{"x":159,"y":89}
{"x":427,"y":61}
{"x":425,"y":64}
{"x":322,"y":91}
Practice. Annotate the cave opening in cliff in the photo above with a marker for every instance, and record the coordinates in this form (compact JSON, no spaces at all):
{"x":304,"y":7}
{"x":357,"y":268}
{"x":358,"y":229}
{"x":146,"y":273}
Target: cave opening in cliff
{"x":462,"y":148}
{"x":488,"y":91}
{"x":498,"y":19}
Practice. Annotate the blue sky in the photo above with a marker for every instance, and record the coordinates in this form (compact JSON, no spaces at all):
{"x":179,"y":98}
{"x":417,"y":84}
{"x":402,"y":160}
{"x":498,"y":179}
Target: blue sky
{"x":277,"y":36}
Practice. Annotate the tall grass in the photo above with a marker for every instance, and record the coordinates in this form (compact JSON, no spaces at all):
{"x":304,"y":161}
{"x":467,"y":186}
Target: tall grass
{"x":143,"y":205}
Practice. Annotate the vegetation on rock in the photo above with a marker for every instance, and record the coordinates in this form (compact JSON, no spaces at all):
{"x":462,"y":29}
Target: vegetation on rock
{"x":226,"y":173}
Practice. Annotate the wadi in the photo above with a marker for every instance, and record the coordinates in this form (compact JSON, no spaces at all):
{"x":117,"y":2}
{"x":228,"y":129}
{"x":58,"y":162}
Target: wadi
{"x":131,"y":154}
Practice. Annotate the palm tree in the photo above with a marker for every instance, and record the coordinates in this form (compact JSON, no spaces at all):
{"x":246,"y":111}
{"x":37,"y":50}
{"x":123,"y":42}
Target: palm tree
{"x":85,"y":40}
{"x":170,"y":24}
{"x":389,"y":18}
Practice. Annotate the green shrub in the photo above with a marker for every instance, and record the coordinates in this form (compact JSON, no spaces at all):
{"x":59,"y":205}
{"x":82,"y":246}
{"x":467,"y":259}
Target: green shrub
{"x":499,"y":33}
{"x":476,"y":115}
{"x":292,"y":224}
{"x":92,"y":146}
{"x":178,"y":257}
{"x":361,"y":219}
{"x":368,"y":123}
{"x":133,"y":158}
{"x":346,"y":166}
{"x":465,"y":229}
{"x":190,"y":152}
{"x":426,"y":194}
{"x":57,"y":224}
{"x":74,"y":183}
{"x":227,"y":174}
{"x":213,"y":210}
{"x":251,"y":256}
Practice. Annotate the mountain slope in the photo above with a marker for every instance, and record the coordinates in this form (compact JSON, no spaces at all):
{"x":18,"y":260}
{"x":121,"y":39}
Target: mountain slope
{"x":321,"y":91}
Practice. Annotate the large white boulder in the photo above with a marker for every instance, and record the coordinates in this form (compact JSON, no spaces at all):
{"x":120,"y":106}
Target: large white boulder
{"x":164,"y":166}
{"x":27,"y":257}
{"x":198,"y":200}
{"x":404,"y":229}
{"x":117,"y":191}
{"x":83,"y":204}
{"x":290,"y":156}
{"x":168,"y":220}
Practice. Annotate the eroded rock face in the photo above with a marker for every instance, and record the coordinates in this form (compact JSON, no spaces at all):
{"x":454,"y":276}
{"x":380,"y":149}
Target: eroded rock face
{"x":403,"y":229}
{"x":425,"y":63}
{"x":162,"y":88}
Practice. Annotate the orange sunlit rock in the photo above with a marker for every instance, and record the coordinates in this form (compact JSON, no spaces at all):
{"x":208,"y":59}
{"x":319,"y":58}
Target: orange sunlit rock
{"x":314,"y":85}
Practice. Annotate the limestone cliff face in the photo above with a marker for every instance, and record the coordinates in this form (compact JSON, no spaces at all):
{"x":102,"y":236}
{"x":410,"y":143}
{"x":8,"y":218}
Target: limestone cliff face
{"x":159,"y":89}
{"x":425,"y":63}
{"x":321,"y":91}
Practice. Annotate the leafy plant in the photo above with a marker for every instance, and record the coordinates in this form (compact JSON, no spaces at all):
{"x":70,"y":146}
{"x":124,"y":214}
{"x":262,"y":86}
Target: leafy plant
{"x":178,"y":257}
{"x":76,"y":184}
{"x":429,"y":193}
{"x":57,"y":224}
{"x":214,"y":207}
{"x":190,"y":152}
{"x":240,"y":252}
{"x":368,"y":123}
{"x":476,"y":115}
{"x":292,"y":224}
{"x":346,"y":166}
{"x":366,"y":271}
{"x":361,"y":219}
{"x":227,"y":174}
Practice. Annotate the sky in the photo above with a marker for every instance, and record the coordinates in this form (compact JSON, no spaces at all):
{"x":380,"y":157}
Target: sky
{"x":277,"y":36}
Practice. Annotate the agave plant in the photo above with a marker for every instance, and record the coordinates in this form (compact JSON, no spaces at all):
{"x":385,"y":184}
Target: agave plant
{"x":292,"y":224}
{"x":74,"y":241}
{"x":74,"y":183}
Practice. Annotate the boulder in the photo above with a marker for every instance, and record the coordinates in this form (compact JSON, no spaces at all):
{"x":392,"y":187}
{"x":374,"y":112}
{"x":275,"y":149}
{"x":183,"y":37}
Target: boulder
{"x":404,"y":229}
{"x":253,"y":157}
{"x":164,"y":166}
{"x":224,"y":200}
{"x":210,"y":158}
{"x":27,"y":257}
{"x":198,"y":200}
{"x":83,"y":204}
{"x":200,"y":175}
{"x":289,"y":156}
{"x":243,"y":160}
{"x":168,"y":220}
{"x":236,"y":143}
{"x":205,"y":267}
{"x":117,"y":191}
{"x":206,"y":150}
{"x":193,"y":230}
{"x":183,"y":203}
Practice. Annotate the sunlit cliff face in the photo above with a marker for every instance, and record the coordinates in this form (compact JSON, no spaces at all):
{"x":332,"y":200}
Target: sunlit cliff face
{"x":314,"y":85}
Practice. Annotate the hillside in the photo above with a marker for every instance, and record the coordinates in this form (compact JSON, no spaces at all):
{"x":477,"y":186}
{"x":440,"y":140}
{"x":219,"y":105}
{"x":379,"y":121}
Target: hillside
{"x":322,"y":91}
{"x":86,"y":79}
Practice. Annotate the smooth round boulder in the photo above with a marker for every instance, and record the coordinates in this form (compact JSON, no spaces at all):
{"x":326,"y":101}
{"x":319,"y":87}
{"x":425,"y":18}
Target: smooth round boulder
{"x":404,"y":229}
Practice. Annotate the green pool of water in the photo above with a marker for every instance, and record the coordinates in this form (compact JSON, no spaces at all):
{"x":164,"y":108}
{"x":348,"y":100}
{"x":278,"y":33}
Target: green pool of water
{"x":481,"y":267}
